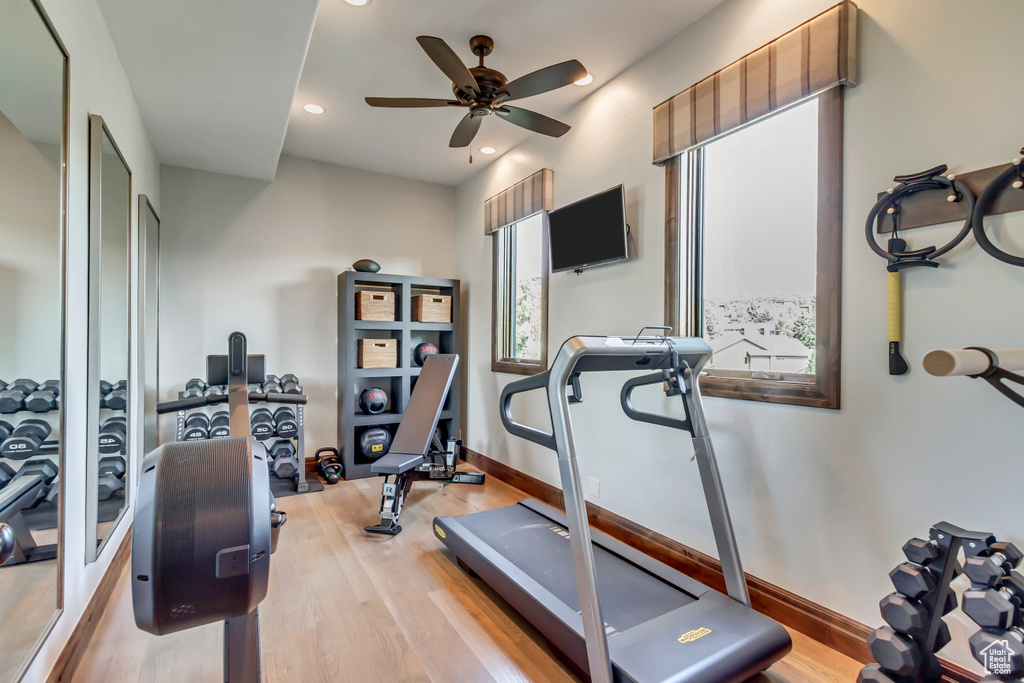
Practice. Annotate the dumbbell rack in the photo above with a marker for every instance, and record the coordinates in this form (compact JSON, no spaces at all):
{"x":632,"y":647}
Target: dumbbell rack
{"x":301,"y":485}
{"x":397,"y":382}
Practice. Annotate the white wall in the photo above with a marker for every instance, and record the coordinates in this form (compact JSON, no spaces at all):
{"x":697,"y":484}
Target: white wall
{"x":822,"y":500}
{"x":264,"y":258}
{"x":98,"y":86}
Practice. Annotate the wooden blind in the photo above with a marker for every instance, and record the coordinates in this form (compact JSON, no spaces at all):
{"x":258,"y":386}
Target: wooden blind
{"x":523,"y":199}
{"x":814,"y":56}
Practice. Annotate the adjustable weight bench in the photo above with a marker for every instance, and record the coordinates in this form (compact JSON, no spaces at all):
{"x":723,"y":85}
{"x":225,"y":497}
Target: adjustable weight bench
{"x":417,"y":452}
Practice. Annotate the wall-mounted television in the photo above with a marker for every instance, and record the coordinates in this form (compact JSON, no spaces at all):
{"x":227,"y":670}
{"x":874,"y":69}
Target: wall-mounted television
{"x":590,"y":232}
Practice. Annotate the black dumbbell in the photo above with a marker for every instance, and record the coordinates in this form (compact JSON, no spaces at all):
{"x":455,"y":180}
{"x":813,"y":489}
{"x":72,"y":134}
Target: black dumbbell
{"x":290,"y":384}
{"x":329,"y":464}
{"x":196,"y":383}
{"x":44,"y":398}
{"x":192,"y":392}
{"x":273,"y":378}
{"x":261,"y":424}
{"x":117,"y":399}
{"x":904,"y":615}
{"x":214,"y":390}
{"x":42,"y":466}
{"x":12,"y":398}
{"x":220,"y":425}
{"x":988,"y":569}
{"x":113,"y":435}
{"x":895,"y":652}
{"x":1007,"y":646}
{"x":927,"y":554}
{"x":5,"y":430}
{"x":254,"y":388}
{"x":105,"y":388}
{"x":25,"y":440}
{"x":111,"y":477}
{"x":286,"y":465}
{"x":270,"y":388}
{"x":197,"y":427}
{"x":286,"y":424}
{"x":913,"y":580}
{"x":6,"y":474}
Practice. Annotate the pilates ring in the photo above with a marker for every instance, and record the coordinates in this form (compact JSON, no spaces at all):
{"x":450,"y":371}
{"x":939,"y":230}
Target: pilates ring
{"x":931,"y":179}
{"x":998,"y":184}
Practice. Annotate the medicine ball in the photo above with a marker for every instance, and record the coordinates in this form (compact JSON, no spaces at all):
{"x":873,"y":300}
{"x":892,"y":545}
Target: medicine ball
{"x":375,"y":443}
{"x":373,"y":401}
{"x":420,"y":353}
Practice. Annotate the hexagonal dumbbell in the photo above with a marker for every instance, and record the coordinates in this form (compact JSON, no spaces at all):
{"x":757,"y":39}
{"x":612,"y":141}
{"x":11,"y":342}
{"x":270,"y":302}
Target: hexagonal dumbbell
{"x":261,"y":424}
{"x":220,"y":425}
{"x":271,"y":388}
{"x":25,"y":440}
{"x":1000,"y":652}
{"x":5,"y":430}
{"x":110,"y":483}
{"x":113,"y":435}
{"x":912,"y":580}
{"x":44,"y":398}
{"x":197,"y":427}
{"x":904,"y":615}
{"x":214,"y":390}
{"x":44,"y":467}
{"x":116,"y":398}
{"x":284,"y":419}
{"x":991,"y":608}
{"x":196,"y":383}
{"x":12,"y":398}
{"x":895,"y":652}
{"x":989,"y":568}
{"x":286,"y":465}
{"x":254,"y":388}
{"x":290,"y":384}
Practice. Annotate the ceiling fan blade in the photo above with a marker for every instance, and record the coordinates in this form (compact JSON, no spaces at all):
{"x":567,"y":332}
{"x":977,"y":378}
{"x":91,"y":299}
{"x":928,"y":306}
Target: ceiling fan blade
{"x":465,"y":131}
{"x":403,"y":102}
{"x":448,"y":62}
{"x":543,"y":80}
{"x":531,"y":120}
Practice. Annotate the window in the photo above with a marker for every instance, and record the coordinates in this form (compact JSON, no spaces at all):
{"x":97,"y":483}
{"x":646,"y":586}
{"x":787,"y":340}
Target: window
{"x":520,"y":292}
{"x":753,"y":239}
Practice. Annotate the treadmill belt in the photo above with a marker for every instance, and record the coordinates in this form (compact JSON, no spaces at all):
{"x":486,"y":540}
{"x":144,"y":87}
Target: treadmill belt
{"x":540,"y":547}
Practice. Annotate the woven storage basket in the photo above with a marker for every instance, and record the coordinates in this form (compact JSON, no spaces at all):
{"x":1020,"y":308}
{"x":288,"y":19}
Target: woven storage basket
{"x":432,"y":308}
{"x":377,"y":353}
{"x":375,"y":305}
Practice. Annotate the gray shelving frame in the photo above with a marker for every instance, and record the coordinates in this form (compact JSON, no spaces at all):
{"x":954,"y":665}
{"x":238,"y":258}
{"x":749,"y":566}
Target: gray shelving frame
{"x":397,"y":382}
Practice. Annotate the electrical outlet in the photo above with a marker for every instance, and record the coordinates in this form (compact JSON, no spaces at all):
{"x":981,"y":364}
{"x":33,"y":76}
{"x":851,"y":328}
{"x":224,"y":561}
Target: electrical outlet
{"x":593,"y":487}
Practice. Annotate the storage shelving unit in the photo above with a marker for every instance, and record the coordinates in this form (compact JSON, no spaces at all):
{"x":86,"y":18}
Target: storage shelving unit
{"x":397,"y":382}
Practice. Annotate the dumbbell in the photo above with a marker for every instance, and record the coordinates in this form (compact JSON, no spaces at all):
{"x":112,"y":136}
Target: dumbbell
{"x":285,"y":422}
{"x":25,"y":440}
{"x":197,"y":427}
{"x":329,"y":464}
{"x":928,"y":553}
{"x":1007,"y":646}
{"x":12,"y":398}
{"x":912,"y":580}
{"x":105,"y":388}
{"x":897,"y":653}
{"x":220,"y":425}
{"x":989,"y":569}
{"x":5,"y":430}
{"x":261,"y":424}
{"x":214,"y":390}
{"x":113,"y":434}
{"x":42,"y":466}
{"x":271,"y":388}
{"x":196,"y":383}
{"x":254,"y":388}
{"x":286,"y":465}
{"x":6,"y":474}
{"x":117,"y":399}
{"x":272,"y":378}
{"x":111,"y":477}
{"x":910,"y":617}
{"x":44,"y":398}
{"x":290,"y":384}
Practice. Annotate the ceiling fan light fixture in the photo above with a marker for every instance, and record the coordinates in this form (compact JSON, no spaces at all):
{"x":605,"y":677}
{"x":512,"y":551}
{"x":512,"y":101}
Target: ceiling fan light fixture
{"x":314,"y":108}
{"x":358,"y":3}
{"x":586,"y":80}
{"x":487,"y":150}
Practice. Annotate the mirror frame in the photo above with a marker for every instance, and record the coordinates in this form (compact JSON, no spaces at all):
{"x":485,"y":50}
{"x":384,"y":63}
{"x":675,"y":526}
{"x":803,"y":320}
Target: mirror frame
{"x":93,"y":547}
{"x":146,"y":209}
{"x":62,"y":419}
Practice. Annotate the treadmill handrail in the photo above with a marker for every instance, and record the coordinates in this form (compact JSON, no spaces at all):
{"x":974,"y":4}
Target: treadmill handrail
{"x":539,"y":381}
{"x":625,"y":398}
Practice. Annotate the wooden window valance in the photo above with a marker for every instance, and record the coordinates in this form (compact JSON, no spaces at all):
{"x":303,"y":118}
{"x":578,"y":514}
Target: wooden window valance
{"x":523,"y":199}
{"x":814,"y":56}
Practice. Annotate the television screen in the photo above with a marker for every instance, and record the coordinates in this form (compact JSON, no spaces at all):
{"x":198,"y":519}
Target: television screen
{"x":590,"y":232}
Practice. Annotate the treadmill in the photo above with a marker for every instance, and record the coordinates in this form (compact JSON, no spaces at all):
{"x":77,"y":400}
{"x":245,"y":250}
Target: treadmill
{"x":616,"y":613}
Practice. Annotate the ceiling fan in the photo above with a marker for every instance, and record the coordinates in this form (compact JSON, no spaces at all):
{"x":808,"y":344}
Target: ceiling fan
{"x":485,"y":91}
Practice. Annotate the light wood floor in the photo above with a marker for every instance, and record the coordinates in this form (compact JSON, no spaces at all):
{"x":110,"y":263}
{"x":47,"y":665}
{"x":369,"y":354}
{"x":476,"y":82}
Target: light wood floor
{"x":347,"y":606}
{"x":28,"y":599}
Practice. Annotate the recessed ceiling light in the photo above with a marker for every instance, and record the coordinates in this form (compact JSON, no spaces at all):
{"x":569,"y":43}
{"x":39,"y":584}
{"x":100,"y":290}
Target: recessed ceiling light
{"x":358,"y":3}
{"x":586,"y":80}
{"x":314,"y":108}
{"x":487,"y":150}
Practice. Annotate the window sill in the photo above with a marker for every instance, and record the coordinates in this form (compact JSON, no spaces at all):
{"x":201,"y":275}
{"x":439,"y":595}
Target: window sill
{"x":800,"y":393}
{"x":517,"y":367}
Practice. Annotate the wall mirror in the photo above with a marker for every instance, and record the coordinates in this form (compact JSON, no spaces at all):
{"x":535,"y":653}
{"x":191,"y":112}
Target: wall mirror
{"x":149,"y":323}
{"x":33,"y":182}
{"x":108,"y":463}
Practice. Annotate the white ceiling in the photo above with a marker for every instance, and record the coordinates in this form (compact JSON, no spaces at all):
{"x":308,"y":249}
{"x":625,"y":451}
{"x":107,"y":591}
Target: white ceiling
{"x":216,"y":81}
{"x":372,"y":51}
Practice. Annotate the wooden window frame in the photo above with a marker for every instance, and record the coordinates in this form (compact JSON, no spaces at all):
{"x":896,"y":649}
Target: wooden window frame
{"x":683,"y":289}
{"x":501,"y":284}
